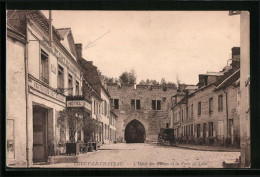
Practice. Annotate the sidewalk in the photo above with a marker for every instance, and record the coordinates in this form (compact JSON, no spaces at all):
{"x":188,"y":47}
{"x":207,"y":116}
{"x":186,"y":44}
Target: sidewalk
{"x":208,"y":148}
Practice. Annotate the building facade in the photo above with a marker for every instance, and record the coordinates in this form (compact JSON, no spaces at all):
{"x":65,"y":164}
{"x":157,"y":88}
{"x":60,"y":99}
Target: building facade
{"x":51,"y":73}
{"x":141,"y":109}
{"x":100,"y":97}
{"x":112,"y":126}
{"x":210,"y":113}
{"x":15,"y":99}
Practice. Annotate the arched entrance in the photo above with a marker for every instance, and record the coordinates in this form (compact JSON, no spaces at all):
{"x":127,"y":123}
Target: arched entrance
{"x":134,"y":132}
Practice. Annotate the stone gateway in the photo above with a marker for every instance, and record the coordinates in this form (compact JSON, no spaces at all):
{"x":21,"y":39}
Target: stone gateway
{"x":141,"y":109}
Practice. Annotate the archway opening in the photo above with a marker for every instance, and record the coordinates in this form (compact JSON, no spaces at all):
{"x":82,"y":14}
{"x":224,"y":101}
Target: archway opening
{"x":135,"y":132}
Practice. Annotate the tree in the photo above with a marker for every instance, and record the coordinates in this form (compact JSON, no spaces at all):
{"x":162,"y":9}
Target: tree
{"x":132,"y":77}
{"x":142,"y":82}
{"x":77,"y":119}
{"x":147,"y":82}
{"x":154,"y":82}
{"x":163,"y":81}
{"x":128,"y":77}
{"x":109,"y":79}
{"x":90,"y":128}
{"x":73,"y":119}
{"x":171,"y":84}
{"x":123,"y":78}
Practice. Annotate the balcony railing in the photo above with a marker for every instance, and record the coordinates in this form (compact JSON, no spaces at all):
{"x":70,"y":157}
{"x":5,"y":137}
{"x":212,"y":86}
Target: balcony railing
{"x":78,"y":97}
{"x":45,"y":80}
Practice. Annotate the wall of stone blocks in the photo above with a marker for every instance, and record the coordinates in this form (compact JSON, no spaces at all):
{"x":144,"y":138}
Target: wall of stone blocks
{"x":152,"y":120}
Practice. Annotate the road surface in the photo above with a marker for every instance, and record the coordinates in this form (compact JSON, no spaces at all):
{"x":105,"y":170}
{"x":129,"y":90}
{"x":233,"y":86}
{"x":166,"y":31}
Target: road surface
{"x":144,"y":155}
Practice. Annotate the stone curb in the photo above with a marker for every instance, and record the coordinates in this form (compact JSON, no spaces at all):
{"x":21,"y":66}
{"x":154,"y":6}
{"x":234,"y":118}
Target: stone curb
{"x":199,"y":149}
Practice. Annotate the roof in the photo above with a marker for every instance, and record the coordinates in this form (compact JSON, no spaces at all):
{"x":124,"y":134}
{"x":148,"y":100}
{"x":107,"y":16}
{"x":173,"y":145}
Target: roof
{"x":12,"y":32}
{"x":44,"y":23}
{"x":92,"y":76}
{"x":191,"y":87}
{"x":67,"y":33}
{"x":63,"y":31}
{"x":228,"y":79}
{"x":213,"y":74}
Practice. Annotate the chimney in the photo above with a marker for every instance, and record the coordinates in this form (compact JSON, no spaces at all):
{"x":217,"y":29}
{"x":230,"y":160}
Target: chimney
{"x":79,"y":50}
{"x":235,"y":51}
{"x":235,"y":57}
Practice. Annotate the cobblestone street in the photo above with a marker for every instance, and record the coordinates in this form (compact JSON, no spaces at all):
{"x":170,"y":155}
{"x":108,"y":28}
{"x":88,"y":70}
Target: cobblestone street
{"x":148,"y":156}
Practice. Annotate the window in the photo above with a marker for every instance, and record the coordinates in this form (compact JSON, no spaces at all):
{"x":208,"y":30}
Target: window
{"x":79,"y":136}
{"x":220,"y":102}
{"x":116,"y":103}
{"x":70,"y":92}
{"x":210,"y":105}
{"x":158,"y":104}
{"x":154,"y":104}
{"x":191,"y":129}
{"x":199,"y":108}
{"x":191,"y":111}
{"x":187,"y":112}
{"x":105,"y":107}
{"x":138,"y":104}
{"x":94,"y":106}
{"x":198,"y":130}
{"x":44,"y":69}
{"x":230,"y":125}
{"x":220,"y":128}
{"x":108,"y":109}
{"x":210,"y":129}
{"x":77,"y":88}
{"x":182,"y":115}
{"x":60,"y":77}
{"x":133,"y":103}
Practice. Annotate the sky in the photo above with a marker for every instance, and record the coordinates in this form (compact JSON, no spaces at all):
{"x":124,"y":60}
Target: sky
{"x":156,"y":44}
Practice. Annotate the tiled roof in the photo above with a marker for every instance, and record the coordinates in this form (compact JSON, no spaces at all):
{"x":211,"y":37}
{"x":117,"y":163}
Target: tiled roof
{"x":44,"y":23}
{"x":229,"y":78}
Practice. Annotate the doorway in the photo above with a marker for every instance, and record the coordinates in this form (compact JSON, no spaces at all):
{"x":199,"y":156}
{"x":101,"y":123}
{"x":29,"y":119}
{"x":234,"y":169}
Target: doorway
{"x":135,"y":132}
{"x":40,"y":117}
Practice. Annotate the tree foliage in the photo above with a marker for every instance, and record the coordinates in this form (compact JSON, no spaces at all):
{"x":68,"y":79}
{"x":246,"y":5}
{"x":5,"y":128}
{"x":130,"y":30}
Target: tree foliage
{"x":128,"y":77}
{"x":90,"y":127}
{"x":154,"y":82}
{"x":77,"y":119}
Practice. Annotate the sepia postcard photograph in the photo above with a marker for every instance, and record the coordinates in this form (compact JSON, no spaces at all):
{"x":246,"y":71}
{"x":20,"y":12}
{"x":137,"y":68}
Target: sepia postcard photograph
{"x":127,"y":89}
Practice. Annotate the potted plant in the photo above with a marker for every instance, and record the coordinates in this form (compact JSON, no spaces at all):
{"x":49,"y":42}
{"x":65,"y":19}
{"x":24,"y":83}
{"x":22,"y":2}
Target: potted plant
{"x":73,"y":119}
